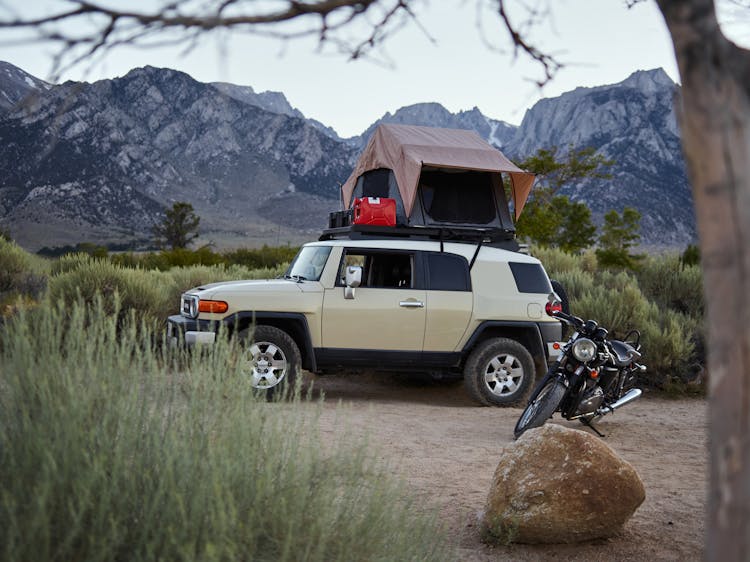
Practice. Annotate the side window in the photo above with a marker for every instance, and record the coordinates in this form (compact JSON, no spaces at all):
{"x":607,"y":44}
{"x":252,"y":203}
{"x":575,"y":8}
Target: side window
{"x":388,"y":270}
{"x":447,"y":272}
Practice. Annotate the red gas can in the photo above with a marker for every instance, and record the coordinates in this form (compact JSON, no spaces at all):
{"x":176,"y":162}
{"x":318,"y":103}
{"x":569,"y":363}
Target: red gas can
{"x":378,"y":211}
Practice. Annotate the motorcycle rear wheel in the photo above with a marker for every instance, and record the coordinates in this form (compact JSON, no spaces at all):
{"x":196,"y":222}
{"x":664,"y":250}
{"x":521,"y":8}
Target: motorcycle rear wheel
{"x":541,"y":408}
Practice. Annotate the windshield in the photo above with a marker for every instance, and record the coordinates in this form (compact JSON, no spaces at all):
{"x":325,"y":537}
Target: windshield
{"x":309,"y":263}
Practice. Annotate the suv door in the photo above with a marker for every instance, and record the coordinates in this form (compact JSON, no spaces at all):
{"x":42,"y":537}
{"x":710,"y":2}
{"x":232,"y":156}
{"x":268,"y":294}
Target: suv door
{"x":387,"y":312}
{"x":449,"y":300}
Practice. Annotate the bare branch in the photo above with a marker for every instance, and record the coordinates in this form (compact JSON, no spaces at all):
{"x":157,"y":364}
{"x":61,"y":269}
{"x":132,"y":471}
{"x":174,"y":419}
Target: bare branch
{"x":548,"y":62}
{"x":373,"y":22}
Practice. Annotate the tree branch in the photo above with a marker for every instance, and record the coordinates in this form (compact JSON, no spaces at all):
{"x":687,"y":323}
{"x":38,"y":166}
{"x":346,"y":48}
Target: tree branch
{"x":114,"y":27}
{"x":549,"y":63}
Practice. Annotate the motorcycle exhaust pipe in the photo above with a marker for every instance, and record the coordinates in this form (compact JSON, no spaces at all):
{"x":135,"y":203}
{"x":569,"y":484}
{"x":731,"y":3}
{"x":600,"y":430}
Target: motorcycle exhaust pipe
{"x":629,"y":396}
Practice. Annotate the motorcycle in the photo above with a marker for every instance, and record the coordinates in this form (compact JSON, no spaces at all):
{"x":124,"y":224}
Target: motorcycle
{"x":593,"y":377}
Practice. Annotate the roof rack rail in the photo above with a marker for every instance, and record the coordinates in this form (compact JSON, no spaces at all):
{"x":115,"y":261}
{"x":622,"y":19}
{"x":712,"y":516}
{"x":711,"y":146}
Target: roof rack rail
{"x":497,"y":237}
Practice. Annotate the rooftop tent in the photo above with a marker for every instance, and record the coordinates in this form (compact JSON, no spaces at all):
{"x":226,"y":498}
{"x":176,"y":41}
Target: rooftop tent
{"x":438,"y":176}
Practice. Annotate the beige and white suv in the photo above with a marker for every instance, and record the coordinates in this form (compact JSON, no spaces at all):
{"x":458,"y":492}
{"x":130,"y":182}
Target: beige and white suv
{"x":411,"y":305}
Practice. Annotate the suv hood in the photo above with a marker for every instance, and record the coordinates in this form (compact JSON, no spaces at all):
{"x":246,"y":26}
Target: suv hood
{"x":256,"y":286}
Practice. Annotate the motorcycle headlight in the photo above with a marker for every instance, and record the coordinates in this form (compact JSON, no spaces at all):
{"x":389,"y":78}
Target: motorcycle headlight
{"x":584,"y":350}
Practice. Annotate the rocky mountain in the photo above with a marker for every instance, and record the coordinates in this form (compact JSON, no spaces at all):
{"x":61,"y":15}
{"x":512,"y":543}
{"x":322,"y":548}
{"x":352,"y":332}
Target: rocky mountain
{"x":16,"y":86}
{"x":275,"y":102}
{"x":100,"y":161}
{"x":632,"y":123}
{"x":497,"y":133}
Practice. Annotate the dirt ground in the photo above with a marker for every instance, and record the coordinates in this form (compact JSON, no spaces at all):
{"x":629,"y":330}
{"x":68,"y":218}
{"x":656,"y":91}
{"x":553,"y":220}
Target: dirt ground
{"x":447,"y":449}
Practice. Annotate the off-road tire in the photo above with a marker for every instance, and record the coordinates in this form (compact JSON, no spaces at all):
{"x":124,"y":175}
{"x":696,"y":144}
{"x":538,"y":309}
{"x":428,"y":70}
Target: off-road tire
{"x":541,"y":409}
{"x":271,"y":360}
{"x":499,"y":372}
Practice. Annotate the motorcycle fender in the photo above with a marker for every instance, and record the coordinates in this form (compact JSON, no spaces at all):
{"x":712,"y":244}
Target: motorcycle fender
{"x":553,"y":371}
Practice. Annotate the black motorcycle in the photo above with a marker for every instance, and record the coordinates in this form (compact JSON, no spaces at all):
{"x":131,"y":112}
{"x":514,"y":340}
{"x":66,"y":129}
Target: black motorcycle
{"x":593,"y":377}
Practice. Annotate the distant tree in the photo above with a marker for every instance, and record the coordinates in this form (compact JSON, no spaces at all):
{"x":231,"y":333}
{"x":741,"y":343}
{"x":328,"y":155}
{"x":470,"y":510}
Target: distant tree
{"x":179,"y":227}
{"x":5,"y":235}
{"x":559,"y":222}
{"x":691,"y":256}
{"x":93,"y":250}
{"x":619,"y":236}
{"x":554,"y":170}
{"x":550,"y":219}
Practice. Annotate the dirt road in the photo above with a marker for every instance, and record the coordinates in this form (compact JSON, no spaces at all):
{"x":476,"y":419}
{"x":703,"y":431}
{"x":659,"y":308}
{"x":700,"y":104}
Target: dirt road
{"x":447,"y":449}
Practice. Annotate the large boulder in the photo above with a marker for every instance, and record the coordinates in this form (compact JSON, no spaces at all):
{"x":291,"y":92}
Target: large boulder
{"x":560,"y":485}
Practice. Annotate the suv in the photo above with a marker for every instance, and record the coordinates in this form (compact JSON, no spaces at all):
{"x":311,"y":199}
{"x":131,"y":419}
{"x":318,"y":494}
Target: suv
{"x":411,"y":304}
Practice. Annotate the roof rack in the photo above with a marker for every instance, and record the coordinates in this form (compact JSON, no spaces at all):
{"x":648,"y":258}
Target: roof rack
{"x":496,"y":237}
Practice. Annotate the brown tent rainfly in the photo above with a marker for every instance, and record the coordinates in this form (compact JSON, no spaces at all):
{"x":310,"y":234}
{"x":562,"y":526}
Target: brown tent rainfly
{"x":439,"y":177}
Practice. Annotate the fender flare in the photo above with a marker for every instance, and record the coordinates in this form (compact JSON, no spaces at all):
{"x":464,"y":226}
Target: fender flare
{"x":300,"y":330}
{"x":534,"y":343}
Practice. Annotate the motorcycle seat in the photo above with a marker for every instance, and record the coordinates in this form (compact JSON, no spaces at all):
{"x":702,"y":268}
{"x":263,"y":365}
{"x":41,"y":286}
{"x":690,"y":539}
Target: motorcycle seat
{"x":624,"y":353}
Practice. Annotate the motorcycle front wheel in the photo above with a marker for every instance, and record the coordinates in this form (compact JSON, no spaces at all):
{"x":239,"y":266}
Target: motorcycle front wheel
{"x":541,"y":408}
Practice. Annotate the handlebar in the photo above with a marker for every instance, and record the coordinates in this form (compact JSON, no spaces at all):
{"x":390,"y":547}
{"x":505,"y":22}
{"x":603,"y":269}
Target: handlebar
{"x":574,"y":321}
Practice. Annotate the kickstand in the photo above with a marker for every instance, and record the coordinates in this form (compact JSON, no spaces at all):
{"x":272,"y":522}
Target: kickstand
{"x":588,"y":423}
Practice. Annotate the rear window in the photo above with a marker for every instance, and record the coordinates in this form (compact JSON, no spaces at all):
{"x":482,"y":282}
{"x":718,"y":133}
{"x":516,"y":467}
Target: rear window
{"x":448,"y":272}
{"x":530,"y":278}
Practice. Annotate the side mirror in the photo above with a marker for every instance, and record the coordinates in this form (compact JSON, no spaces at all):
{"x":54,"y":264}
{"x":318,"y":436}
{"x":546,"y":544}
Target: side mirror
{"x":353,"y":280}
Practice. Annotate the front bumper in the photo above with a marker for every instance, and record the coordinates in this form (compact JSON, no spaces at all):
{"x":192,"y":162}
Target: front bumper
{"x":190,"y":332}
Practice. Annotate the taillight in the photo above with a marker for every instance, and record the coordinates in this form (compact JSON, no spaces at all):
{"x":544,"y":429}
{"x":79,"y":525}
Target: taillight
{"x":217,"y":307}
{"x":552,"y":307}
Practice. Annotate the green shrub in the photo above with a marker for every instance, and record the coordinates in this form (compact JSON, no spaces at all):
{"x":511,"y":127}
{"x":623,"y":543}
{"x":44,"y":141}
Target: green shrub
{"x":576,"y":284}
{"x":557,"y":262}
{"x":668,"y":347}
{"x":148,"y":294}
{"x":259,"y":258}
{"x":616,"y":302}
{"x":671,"y":284}
{"x":21,"y":274}
{"x":109,"y":454}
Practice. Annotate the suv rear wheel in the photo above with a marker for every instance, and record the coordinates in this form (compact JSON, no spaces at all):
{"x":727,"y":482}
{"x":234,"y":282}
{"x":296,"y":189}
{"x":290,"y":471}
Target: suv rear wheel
{"x":271,"y":359}
{"x":499,"y":372}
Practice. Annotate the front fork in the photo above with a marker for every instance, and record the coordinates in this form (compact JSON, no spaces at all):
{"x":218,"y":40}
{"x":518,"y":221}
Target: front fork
{"x":571,"y":380}
{"x":551,"y":372}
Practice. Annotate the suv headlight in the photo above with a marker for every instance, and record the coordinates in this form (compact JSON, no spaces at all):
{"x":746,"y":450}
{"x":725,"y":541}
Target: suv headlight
{"x":189,"y":306}
{"x":584,"y":350}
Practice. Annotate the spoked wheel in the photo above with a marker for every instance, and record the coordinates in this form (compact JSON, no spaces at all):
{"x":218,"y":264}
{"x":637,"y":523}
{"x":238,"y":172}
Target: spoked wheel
{"x":271,"y":360}
{"x":541,"y":408}
{"x":499,"y":372}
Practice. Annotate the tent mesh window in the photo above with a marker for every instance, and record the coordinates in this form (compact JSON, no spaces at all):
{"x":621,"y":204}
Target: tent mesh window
{"x":376,"y":183}
{"x":458,"y":198}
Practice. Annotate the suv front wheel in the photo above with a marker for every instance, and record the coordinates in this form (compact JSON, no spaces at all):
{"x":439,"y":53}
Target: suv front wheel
{"x":499,"y":372}
{"x":271,"y":359}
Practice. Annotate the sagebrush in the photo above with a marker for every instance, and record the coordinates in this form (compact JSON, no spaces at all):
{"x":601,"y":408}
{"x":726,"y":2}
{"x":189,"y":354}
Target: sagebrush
{"x":113,"y":449}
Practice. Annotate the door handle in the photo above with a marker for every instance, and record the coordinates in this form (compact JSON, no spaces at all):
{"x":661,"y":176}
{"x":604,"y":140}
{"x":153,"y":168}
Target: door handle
{"x":411,"y":304}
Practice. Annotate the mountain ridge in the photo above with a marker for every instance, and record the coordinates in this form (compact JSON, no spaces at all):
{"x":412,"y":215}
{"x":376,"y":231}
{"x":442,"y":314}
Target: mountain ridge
{"x":101,"y":161}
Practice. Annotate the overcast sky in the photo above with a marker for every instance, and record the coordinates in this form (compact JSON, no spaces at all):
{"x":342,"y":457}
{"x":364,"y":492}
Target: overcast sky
{"x":600,"y":41}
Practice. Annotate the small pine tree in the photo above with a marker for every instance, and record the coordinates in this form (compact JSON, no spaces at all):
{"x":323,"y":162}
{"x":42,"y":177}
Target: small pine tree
{"x":560,"y":223}
{"x":691,"y":256}
{"x":179,"y":227}
{"x":619,"y":236}
{"x":550,"y":219}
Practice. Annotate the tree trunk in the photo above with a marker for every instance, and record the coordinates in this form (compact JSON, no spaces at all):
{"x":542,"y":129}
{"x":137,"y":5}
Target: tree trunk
{"x":715,"y":121}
